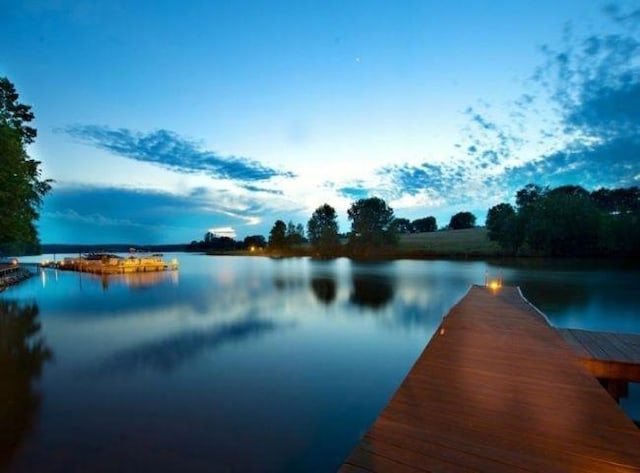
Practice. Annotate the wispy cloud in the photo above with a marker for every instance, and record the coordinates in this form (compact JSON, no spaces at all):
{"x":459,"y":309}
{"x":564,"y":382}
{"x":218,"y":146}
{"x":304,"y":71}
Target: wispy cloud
{"x":355,"y":191}
{"x":168,"y":149}
{"x":578,"y":122}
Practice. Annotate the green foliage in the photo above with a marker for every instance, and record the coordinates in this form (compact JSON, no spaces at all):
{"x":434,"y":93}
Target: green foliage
{"x":322,"y":229}
{"x":402,"y":225}
{"x":462,"y":220}
{"x":422,"y":225}
{"x":503,"y":227}
{"x":564,"y":224}
{"x":278,"y":236}
{"x":371,"y":226}
{"x":294,"y":235}
{"x":569,"y":221}
{"x":255,"y":241}
{"x":22,"y":188}
{"x":14,"y":114}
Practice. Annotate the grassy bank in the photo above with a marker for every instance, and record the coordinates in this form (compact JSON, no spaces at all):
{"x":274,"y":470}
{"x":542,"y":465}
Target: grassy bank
{"x":470,"y":243}
{"x":454,"y":244}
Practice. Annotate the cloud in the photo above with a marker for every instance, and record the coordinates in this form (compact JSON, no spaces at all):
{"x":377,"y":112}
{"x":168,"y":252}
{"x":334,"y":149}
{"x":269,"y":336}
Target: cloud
{"x":615,"y":163}
{"x":356,"y":191}
{"x":577,"y":123}
{"x":223,"y":232}
{"x":261,"y":189}
{"x":85,"y":214}
{"x":168,"y":149}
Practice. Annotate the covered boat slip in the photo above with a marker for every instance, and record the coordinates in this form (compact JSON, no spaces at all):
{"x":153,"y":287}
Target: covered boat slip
{"x":498,"y":389}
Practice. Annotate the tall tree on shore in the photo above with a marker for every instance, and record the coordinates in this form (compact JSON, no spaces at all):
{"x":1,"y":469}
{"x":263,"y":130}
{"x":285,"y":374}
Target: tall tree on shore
{"x":278,"y":236}
{"x":22,"y":187}
{"x":322,"y":230}
{"x":371,"y":226}
{"x":462,"y":220}
{"x":427,"y":224}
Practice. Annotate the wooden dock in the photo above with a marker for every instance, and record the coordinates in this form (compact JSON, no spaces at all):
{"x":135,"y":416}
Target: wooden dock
{"x":613,"y":358}
{"x":498,"y":389}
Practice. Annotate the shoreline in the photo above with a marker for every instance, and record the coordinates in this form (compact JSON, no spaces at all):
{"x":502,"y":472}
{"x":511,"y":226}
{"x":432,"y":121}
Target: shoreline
{"x":12,"y":275}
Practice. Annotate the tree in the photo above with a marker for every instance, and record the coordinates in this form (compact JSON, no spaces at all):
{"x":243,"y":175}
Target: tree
{"x":371,"y":225}
{"x":255,"y":241}
{"x":322,"y":229}
{"x":294,"y":234}
{"x":277,"y":236}
{"x":427,"y":224}
{"x":22,"y":189}
{"x":14,"y":114}
{"x":462,"y":220}
{"x":503,"y":227}
{"x":564,"y":224}
{"x":402,"y":225}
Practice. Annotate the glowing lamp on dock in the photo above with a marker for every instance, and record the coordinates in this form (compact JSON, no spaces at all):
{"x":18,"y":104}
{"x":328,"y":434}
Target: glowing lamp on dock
{"x":493,"y":283}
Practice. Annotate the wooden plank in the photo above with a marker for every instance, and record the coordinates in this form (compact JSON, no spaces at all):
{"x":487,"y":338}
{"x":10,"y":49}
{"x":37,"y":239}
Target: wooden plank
{"x":498,"y":389}
{"x":606,"y":355}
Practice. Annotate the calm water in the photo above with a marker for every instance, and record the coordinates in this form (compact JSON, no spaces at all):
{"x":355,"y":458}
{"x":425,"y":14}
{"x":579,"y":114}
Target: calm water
{"x":246,"y":364}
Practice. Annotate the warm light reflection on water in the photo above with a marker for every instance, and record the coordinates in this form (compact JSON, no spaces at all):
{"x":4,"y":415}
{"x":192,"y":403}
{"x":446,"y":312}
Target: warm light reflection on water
{"x":256,"y":364}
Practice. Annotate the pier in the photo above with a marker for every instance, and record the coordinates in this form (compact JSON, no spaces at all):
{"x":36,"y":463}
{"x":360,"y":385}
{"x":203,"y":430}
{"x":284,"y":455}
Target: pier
{"x":498,"y":389}
{"x":613,"y":358}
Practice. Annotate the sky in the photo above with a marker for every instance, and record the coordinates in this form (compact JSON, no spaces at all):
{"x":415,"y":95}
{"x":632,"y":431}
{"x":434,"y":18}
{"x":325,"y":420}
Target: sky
{"x":160,"y":120}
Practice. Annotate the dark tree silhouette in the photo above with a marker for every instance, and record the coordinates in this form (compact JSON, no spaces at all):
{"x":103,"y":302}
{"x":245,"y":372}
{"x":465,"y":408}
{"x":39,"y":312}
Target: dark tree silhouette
{"x":278,"y":236}
{"x":322,"y":230}
{"x":294,"y":234}
{"x":402,"y":225}
{"x":371,"y":226}
{"x":503,"y":227}
{"x":255,"y":241}
{"x":462,"y":220}
{"x":423,"y":225}
{"x":569,"y":221}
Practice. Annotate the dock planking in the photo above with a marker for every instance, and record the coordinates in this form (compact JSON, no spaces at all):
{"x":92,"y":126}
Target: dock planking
{"x":606,"y":355}
{"x":498,"y":389}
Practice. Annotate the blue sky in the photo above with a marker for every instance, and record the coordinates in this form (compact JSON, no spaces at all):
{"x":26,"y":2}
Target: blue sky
{"x":160,"y":120}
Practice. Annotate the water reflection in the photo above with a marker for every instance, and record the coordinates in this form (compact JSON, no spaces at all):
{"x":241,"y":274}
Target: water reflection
{"x":324,"y":288}
{"x":138,"y":281}
{"x":23,"y":353}
{"x":323,"y":281}
{"x":372,"y":289}
{"x":166,"y":354}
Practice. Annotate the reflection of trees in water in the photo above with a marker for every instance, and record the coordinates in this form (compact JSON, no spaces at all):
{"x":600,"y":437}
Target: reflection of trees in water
{"x":324,"y":288}
{"x":22,"y":355}
{"x":557,"y":295}
{"x":373,"y":291}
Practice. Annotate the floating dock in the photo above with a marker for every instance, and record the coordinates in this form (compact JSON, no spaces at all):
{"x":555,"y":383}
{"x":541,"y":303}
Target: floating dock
{"x":113,"y":264}
{"x":498,"y":389}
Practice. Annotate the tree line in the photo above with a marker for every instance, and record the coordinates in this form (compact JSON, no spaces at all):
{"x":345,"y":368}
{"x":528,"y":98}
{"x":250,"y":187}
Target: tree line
{"x":568,"y":221}
{"x":374,"y":226}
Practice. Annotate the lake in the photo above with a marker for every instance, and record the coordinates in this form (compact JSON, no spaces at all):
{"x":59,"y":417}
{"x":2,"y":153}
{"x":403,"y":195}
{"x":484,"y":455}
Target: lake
{"x":247,"y":364}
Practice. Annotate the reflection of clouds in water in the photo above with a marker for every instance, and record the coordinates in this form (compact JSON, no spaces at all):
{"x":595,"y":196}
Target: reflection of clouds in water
{"x":167,"y":354}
